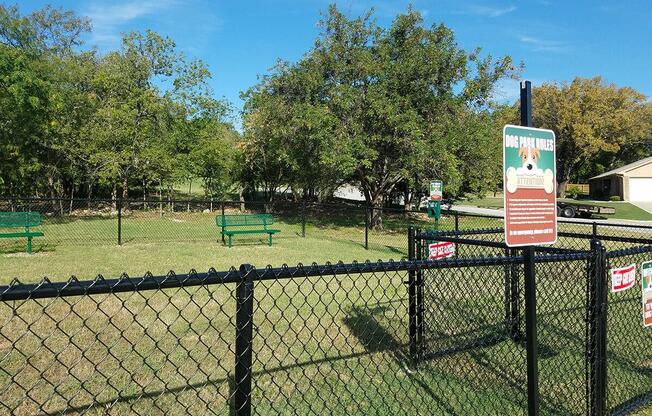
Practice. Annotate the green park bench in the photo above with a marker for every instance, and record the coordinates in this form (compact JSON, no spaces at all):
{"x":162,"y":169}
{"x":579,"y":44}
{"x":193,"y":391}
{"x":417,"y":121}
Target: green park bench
{"x":233,"y":224}
{"x":21,"y":220}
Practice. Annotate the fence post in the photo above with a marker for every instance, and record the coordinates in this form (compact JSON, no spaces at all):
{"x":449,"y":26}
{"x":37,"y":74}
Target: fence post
{"x":457,"y":221}
{"x":119,"y":221}
{"x":597,"y":348}
{"x":531,"y":332}
{"x":420,"y":310}
{"x":222,"y":207}
{"x":303,"y":218}
{"x":595,"y":229}
{"x":412,"y":293}
{"x":244,"y":293}
{"x":366,"y":227}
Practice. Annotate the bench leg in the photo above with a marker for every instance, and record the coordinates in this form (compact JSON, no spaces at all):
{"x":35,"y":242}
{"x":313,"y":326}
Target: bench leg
{"x":230,"y":240}
{"x":29,"y":245}
{"x":270,"y":239}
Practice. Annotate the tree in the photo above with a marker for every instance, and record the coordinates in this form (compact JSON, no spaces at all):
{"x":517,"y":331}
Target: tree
{"x":397,"y":105}
{"x":597,"y":126}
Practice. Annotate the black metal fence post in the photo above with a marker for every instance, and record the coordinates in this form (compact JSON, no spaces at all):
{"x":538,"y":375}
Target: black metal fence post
{"x":303,"y":219}
{"x":420,"y":309}
{"x":412,"y":293}
{"x":457,"y":221}
{"x":222,"y":208}
{"x":531,"y":332}
{"x":119,"y":221}
{"x":366,"y":227}
{"x":244,"y":293}
{"x":594,"y":229}
{"x":597,"y":347}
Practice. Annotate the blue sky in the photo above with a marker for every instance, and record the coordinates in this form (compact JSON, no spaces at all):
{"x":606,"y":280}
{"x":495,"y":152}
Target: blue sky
{"x":240,"y":40}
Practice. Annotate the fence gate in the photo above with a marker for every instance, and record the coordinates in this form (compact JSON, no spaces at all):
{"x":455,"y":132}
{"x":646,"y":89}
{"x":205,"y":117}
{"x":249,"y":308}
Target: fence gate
{"x":468,"y":321}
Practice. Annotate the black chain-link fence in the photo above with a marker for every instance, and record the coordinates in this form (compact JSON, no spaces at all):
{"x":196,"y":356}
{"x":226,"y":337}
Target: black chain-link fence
{"x":418,"y":336}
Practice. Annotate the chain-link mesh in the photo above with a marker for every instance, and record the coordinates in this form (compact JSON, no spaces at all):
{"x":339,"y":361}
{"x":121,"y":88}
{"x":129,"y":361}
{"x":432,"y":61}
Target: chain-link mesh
{"x":162,"y":351}
{"x":562,"y":336}
{"x":629,"y":343}
{"x":418,"y":336}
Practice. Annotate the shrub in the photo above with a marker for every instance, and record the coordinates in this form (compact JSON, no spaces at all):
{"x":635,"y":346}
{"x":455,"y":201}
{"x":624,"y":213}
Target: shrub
{"x":614,"y":198}
{"x":573,"y":192}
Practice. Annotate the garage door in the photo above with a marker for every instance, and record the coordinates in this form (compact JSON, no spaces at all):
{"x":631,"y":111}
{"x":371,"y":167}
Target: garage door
{"x":640,"y":189}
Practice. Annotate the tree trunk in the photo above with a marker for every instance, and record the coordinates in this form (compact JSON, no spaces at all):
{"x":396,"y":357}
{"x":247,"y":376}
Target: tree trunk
{"x":189,"y":194}
{"x":377,"y":203}
{"x":114,"y":196}
{"x":561,"y":188}
{"x":72,"y":197}
{"x":125,"y":188}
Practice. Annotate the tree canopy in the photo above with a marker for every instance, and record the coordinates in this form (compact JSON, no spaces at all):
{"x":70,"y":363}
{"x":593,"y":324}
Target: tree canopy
{"x":76,"y":119}
{"x":598,"y":126}
{"x":386,"y":108}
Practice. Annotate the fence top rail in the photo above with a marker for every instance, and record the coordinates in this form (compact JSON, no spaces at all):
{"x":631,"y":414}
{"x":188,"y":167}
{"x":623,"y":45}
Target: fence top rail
{"x":74,"y":287}
{"x":629,"y":251}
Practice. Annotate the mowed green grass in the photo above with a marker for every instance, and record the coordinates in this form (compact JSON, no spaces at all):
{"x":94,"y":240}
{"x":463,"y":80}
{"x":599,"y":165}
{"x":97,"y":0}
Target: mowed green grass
{"x":180,"y":241}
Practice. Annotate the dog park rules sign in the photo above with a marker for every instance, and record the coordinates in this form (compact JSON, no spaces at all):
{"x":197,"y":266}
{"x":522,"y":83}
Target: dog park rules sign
{"x":529,"y":173}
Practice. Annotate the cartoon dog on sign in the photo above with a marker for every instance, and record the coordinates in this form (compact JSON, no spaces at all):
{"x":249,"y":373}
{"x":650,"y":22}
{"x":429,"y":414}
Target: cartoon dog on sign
{"x":529,"y":156}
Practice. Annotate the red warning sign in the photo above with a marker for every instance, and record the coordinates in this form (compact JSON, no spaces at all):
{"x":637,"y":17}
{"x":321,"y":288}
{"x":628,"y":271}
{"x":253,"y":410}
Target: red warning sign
{"x":623,"y":278}
{"x":441,"y":250}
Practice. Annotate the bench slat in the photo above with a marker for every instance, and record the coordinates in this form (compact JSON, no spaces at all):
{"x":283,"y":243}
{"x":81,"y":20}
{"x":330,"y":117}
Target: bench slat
{"x":19,"y":219}
{"x":233,"y":232}
{"x":243,"y":220}
{"x":14,"y":235}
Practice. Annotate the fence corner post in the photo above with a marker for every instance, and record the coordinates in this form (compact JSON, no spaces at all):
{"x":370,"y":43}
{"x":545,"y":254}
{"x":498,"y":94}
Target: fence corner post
{"x":119,"y":221}
{"x":244,"y":293}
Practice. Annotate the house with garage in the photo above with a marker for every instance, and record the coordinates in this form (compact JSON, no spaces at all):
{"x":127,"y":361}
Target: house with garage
{"x":631,"y":182}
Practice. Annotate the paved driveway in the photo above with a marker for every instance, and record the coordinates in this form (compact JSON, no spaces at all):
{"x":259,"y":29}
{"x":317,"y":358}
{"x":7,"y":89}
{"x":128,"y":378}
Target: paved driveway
{"x":646,"y":205}
{"x":499,"y":213}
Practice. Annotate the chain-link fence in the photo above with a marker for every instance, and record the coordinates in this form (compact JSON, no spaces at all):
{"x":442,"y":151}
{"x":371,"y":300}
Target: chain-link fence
{"x":143,"y":221}
{"x":452,"y":335}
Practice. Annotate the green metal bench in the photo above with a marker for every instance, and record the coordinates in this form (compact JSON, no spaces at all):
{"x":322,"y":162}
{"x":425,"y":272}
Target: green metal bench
{"x":233,"y":224}
{"x":21,"y":220}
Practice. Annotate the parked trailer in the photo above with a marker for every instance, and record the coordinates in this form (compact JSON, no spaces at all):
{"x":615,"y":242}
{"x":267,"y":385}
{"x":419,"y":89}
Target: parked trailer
{"x":573,"y":209}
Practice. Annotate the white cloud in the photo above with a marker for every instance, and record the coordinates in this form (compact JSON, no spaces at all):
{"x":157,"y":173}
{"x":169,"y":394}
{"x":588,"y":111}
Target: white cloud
{"x":108,"y":19}
{"x":490,"y":11}
{"x":543,"y":45}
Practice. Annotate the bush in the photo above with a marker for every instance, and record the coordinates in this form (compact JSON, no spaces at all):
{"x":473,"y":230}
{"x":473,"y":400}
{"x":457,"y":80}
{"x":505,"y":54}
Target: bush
{"x":614,"y":198}
{"x":573,"y":192}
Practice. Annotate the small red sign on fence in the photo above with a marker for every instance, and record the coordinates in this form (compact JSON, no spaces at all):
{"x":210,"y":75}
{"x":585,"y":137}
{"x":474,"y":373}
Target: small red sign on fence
{"x":623,"y":278}
{"x":441,"y":250}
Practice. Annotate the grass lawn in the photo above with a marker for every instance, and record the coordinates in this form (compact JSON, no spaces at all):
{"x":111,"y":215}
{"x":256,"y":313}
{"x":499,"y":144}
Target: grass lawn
{"x":321,"y":345}
{"x":624,"y":210}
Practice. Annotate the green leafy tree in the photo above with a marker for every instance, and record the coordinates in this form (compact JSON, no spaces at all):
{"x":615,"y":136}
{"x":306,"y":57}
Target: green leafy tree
{"x":598,"y":126}
{"x":395,"y":106}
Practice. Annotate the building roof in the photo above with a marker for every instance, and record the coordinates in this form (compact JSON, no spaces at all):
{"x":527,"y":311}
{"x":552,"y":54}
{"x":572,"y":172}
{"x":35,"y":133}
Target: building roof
{"x":625,"y":168}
